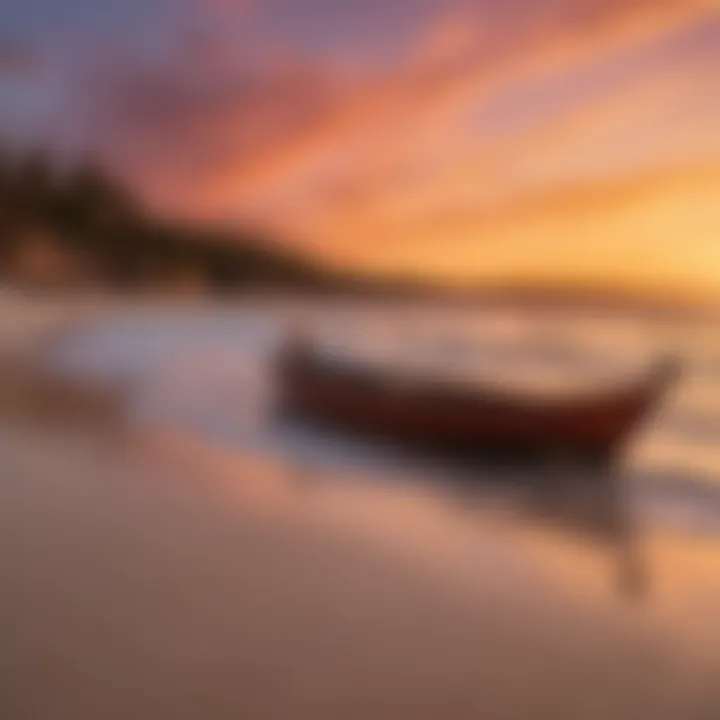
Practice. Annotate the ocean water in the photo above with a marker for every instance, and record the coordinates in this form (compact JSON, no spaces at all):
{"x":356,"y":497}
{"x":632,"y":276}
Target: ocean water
{"x":204,"y":371}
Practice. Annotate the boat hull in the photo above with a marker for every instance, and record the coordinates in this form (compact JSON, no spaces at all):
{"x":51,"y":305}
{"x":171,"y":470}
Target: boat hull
{"x":437,"y":416}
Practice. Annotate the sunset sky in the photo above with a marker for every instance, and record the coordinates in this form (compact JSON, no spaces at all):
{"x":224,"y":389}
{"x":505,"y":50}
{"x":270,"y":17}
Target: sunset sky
{"x":543,"y":140}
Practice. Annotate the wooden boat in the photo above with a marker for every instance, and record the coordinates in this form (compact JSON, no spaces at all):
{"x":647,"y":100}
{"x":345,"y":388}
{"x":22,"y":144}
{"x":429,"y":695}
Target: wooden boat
{"x":449,"y":416}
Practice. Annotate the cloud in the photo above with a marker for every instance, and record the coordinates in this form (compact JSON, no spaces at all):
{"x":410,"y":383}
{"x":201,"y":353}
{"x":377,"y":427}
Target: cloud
{"x":633,"y":122}
{"x":492,"y":112}
{"x":656,"y":229}
{"x":439,"y":82}
{"x":18,"y":60}
{"x":183,"y":122}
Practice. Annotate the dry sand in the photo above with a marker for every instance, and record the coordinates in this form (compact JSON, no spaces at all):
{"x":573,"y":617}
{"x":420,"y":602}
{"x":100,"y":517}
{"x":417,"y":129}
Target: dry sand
{"x":149,"y":580}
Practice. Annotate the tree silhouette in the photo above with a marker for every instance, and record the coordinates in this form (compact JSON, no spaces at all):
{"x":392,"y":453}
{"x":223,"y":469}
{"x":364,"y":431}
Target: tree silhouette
{"x":86,"y":212}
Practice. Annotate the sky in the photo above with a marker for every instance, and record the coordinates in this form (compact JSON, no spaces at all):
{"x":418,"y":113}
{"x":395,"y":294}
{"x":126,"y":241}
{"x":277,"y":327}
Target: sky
{"x":551,"y":141}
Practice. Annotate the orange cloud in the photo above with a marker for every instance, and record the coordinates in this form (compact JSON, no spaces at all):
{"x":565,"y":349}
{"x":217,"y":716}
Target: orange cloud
{"x":424,"y":92}
{"x":654,"y":231}
{"x":388,"y":200}
{"x":431,"y":161}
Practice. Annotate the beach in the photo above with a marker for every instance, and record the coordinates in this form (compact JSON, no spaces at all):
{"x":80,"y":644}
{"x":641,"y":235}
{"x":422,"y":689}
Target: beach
{"x":146,"y":574}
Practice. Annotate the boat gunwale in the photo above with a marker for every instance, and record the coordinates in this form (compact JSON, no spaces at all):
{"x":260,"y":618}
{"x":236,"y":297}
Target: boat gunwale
{"x":391,"y":382}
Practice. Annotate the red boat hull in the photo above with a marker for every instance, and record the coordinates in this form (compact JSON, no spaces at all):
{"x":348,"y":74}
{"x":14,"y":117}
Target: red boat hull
{"x":442,"y":415}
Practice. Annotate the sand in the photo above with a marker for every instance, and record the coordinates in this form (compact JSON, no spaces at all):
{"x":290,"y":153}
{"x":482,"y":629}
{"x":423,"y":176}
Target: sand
{"x":143,"y":577}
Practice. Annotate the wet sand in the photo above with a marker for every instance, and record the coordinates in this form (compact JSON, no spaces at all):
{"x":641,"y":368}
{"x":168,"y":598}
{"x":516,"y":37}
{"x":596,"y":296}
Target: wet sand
{"x":143,"y":577}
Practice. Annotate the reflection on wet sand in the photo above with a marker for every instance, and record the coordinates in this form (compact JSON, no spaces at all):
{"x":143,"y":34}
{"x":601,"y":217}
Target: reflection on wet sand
{"x":588,"y":505}
{"x":172,"y":581}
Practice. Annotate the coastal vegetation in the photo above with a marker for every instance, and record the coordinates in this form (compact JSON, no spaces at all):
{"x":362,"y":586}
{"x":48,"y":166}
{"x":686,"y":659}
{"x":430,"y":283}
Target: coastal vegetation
{"x":66,"y":225}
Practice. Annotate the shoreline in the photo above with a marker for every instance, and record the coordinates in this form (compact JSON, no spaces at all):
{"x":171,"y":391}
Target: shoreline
{"x":159,"y":578}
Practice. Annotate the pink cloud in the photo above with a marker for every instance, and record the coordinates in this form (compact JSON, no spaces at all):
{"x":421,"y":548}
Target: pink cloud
{"x":19,"y":60}
{"x":213,"y":128}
